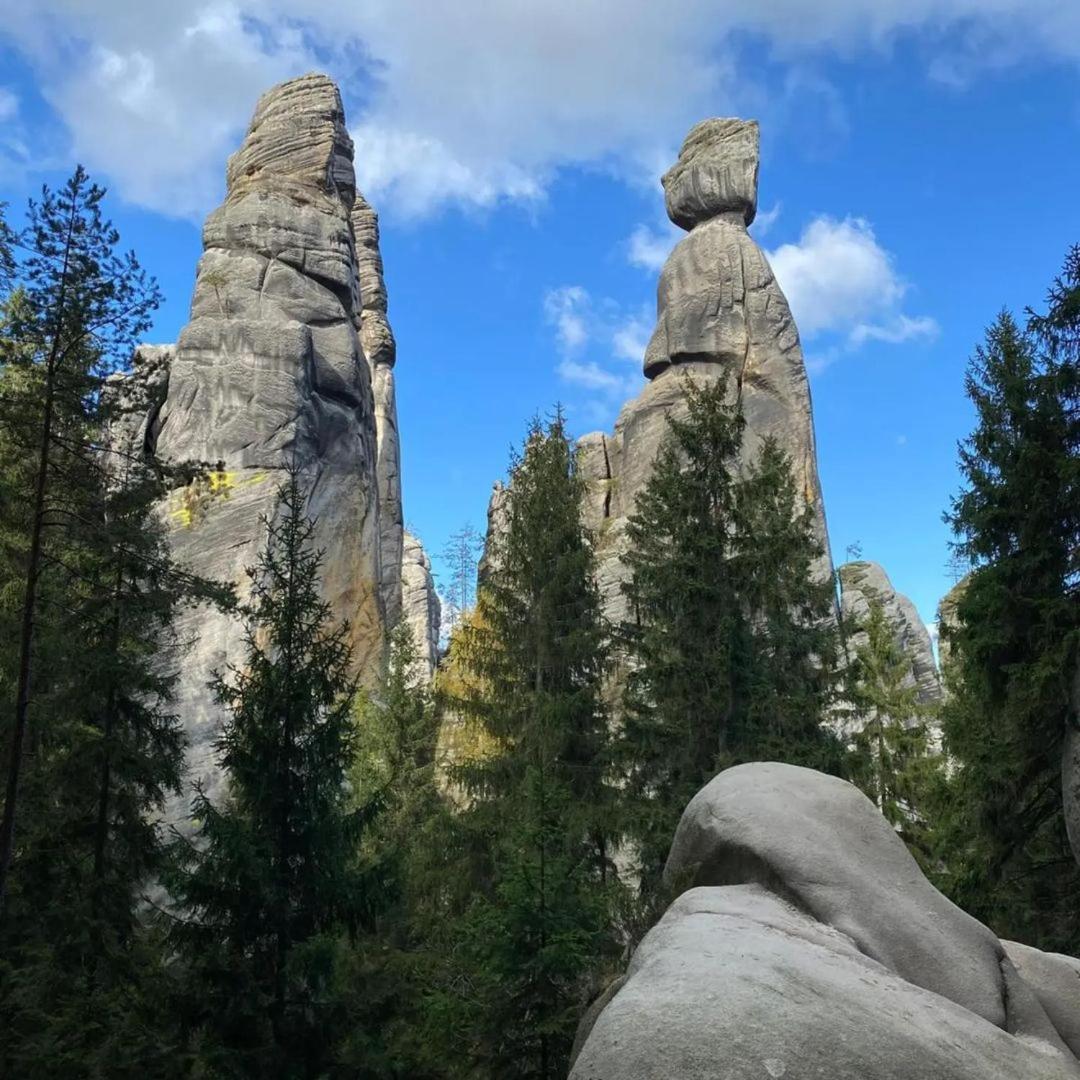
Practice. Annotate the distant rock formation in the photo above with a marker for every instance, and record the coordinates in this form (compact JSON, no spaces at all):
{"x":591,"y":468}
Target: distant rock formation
{"x":420,"y":607}
{"x":720,"y":315}
{"x":810,"y":945}
{"x":286,"y":360}
{"x":948,"y":620}
{"x":861,"y":582}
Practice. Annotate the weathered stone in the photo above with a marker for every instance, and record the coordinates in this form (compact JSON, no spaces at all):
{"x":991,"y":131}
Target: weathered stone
{"x":720,"y":316}
{"x":420,"y":606}
{"x":1055,"y":979}
{"x":810,"y":945}
{"x":735,"y":982}
{"x":860,"y":583}
{"x":270,"y":373}
{"x":948,"y":620}
{"x":377,"y":340}
{"x":716,"y":173}
{"x":388,"y":478}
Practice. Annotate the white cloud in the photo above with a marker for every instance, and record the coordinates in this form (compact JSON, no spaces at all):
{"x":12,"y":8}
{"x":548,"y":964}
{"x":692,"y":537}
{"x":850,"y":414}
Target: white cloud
{"x":765,"y":220}
{"x":840,"y":281}
{"x":9,"y":105}
{"x":629,"y":339}
{"x":467,"y":102}
{"x":596,"y":339}
{"x":649,"y":248}
{"x":567,"y":308}
{"x":592,"y":376}
{"x":897,"y":330}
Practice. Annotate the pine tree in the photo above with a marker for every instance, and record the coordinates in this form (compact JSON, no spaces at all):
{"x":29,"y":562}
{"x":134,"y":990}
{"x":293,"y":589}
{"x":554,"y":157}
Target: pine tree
{"x":730,"y":644}
{"x":271,"y":887}
{"x":539,"y":825}
{"x":1017,"y":639}
{"x":80,"y":309}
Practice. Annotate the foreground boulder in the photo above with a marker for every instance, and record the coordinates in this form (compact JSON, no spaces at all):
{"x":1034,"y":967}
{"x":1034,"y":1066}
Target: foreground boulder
{"x":809,"y":944}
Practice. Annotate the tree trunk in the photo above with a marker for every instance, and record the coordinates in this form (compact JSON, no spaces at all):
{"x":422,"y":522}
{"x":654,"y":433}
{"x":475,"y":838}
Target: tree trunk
{"x":33,"y":573}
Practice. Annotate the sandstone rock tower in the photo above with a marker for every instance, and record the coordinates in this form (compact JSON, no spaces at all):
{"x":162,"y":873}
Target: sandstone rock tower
{"x":286,"y":360}
{"x":861,"y":582}
{"x":720,"y":315}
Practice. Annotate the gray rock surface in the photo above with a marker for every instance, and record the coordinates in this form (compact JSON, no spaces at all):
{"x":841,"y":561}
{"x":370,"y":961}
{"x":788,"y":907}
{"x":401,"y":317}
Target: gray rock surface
{"x":809,"y":944}
{"x":268,"y":372}
{"x":1055,"y":978}
{"x":420,"y":606}
{"x":860,"y":582}
{"x":720,"y":315}
{"x":377,"y":340}
{"x":717,"y":172}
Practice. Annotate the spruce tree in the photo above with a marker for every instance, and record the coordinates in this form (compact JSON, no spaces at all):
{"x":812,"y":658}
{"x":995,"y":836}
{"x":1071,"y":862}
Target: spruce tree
{"x":730,"y":644}
{"x":406,"y":853}
{"x":271,"y":886}
{"x":893,"y":761}
{"x":80,"y":309}
{"x":95,"y":746}
{"x":1017,"y":638}
{"x":538,"y":827}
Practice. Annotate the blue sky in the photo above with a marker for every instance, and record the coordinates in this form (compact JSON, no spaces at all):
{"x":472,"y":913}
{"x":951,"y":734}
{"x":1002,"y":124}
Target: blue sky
{"x":920,"y":170}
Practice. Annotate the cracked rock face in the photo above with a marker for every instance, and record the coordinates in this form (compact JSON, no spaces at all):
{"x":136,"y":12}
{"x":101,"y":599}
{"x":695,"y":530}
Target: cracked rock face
{"x":720,"y":315}
{"x":269,"y":371}
{"x":860,"y":582}
{"x":808,"y":944}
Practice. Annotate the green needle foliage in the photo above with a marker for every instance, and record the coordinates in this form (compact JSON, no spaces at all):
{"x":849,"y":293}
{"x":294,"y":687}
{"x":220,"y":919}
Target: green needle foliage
{"x":271,"y":887}
{"x":893,"y":761}
{"x":80,"y":308}
{"x":539,"y":826}
{"x":88,"y":593}
{"x":731,"y":643}
{"x":1017,"y":642}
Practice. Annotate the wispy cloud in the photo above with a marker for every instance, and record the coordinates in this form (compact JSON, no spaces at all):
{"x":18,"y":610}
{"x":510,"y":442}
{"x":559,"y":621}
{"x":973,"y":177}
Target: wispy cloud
{"x":600,"y":345}
{"x":845,"y":290}
{"x":154,"y":96}
{"x":648,"y":248}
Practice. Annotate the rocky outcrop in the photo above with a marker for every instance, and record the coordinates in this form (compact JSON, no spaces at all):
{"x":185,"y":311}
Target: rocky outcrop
{"x":420,"y":606}
{"x":270,"y":373}
{"x":720,"y":315}
{"x":861,"y":583}
{"x":377,"y":340}
{"x":808,"y":944}
{"x":948,"y":620}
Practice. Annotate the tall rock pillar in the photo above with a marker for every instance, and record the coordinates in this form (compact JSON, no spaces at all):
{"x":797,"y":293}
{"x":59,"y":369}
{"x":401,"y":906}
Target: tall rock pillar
{"x":270,"y":372}
{"x":720,"y":315}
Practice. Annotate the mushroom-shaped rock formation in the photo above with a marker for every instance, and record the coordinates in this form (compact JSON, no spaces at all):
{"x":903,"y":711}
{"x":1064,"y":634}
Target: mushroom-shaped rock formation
{"x":720,"y":315}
